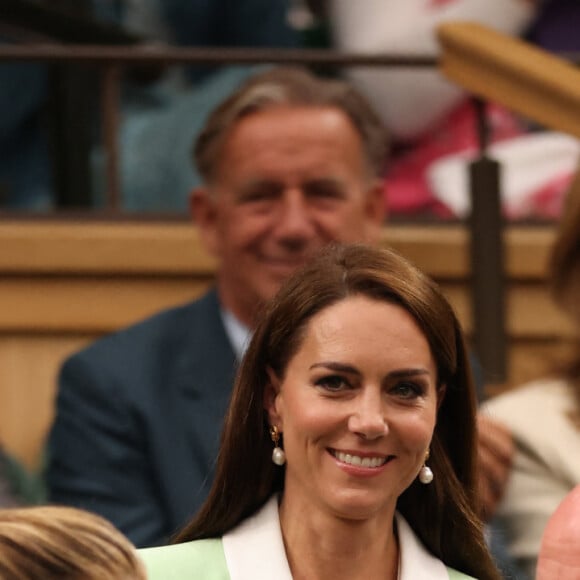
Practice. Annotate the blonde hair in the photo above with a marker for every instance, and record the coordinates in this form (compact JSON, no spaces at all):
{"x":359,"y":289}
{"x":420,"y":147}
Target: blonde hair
{"x":53,"y":542}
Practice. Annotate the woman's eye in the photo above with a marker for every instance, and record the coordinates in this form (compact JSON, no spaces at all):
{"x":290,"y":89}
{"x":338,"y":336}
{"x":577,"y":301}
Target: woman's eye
{"x":407,"y":390}
{"x":332,"y":383}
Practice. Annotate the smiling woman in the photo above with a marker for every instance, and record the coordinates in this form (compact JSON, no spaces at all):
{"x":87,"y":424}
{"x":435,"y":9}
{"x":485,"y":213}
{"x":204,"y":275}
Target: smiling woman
{"x":356,"y":405}
{"x":348,"y":448}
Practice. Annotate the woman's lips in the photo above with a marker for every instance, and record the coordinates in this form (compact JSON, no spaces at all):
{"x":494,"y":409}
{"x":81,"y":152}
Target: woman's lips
{"x":363,"y":460}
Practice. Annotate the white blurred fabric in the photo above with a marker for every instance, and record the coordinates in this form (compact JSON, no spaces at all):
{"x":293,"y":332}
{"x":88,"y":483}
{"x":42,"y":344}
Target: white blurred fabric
{"x":528,"y":163}
{"x":411,"y":100}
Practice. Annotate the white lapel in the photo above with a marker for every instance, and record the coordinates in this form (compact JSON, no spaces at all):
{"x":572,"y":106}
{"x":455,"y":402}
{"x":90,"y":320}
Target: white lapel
{"x":416,"y":562}
{"x":254,"y":550}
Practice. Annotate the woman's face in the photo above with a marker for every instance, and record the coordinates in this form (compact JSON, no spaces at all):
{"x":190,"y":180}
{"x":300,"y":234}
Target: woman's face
{"x":357,"y":409}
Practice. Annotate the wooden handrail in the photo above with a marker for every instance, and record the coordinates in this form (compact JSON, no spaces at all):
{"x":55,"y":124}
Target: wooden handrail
{"x":535,"y":84}
{"x":514,"y":73}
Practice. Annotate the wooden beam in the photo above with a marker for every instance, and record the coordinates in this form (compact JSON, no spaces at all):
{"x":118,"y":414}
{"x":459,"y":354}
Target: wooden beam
{"x":152,"y":248}
{"x":514,"y":73}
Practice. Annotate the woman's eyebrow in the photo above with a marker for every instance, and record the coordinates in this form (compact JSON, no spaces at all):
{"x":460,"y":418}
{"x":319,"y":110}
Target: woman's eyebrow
{"x":336,"y":366}
{"x":405,"y":373}
{"x":346,"y":368}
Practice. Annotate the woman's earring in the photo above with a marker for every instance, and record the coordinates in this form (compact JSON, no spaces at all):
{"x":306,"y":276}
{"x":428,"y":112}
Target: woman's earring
{"x":278,"y":455}
{"x":425,"y":474}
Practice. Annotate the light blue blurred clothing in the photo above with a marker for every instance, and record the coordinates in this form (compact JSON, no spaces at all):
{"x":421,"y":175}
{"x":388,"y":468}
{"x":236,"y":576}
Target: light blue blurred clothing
{"x":157,"y":170}
{"x":160,"y":123}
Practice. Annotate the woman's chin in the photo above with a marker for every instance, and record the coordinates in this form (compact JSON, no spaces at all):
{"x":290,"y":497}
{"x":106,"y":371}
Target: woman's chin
{"x":358,"y":506}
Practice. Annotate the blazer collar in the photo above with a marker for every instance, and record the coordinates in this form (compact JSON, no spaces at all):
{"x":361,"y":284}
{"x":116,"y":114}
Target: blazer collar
{"x":255,"y":550}
{"x":416,"y":563}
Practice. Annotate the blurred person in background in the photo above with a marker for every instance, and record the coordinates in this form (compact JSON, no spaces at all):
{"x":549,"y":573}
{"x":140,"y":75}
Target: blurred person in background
{"x":544,"y":416}
{"x":60,"y":543}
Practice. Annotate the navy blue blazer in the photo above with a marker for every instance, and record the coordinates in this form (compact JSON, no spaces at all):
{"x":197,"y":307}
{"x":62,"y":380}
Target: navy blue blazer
{"x":138,"y":421}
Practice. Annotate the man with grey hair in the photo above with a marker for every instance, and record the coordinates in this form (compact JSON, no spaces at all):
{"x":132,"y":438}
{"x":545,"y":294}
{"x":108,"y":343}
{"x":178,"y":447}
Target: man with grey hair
{"x":290,"y":162}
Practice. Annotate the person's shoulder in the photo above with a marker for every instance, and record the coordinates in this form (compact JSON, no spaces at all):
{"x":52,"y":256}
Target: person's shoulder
{"x":538,"y":395}
{"x":456,"y":575}
{"x":167,"y":326}
{"x":199,"y":559}
{"x":545,"y":440}
{"x":168,"y":319}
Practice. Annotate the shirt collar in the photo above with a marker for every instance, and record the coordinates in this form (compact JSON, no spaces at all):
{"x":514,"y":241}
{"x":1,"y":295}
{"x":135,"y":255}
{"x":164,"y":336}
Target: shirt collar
{"x":238,"y":333}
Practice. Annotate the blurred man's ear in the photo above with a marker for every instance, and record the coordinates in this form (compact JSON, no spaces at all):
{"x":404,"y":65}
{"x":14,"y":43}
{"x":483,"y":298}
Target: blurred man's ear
{"x":376,"y":211}
{"x":204,"y":212}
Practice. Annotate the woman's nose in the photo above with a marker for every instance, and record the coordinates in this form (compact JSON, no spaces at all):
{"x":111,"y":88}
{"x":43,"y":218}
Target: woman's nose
{"x":368,"y":418}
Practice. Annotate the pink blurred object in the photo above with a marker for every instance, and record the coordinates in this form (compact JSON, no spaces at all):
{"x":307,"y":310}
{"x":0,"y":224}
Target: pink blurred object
{"x":548,"y":201}
{"x":559,"y":557}
{"x":536,"y":169}
{"x":407,"y":190}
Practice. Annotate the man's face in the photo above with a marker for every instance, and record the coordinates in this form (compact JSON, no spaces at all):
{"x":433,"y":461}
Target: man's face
{"x":290,"y":180}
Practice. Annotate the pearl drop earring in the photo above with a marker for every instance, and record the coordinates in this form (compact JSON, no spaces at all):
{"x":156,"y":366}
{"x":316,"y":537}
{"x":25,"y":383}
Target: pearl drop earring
{"x":278,"y":455}
{"x":425,"y":473}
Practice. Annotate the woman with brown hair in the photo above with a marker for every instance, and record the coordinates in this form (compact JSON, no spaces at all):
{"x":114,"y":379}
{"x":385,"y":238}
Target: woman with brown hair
{"x":348,"y":448}
{"x":544,"y":415}
{"x":62,"y":543}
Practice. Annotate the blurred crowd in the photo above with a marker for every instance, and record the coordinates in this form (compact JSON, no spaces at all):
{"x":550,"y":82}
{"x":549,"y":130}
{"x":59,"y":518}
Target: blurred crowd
{"x":431,"y":122}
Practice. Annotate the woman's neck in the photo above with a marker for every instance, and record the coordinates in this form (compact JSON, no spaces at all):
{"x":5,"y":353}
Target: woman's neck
{"x":321,"y":545}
